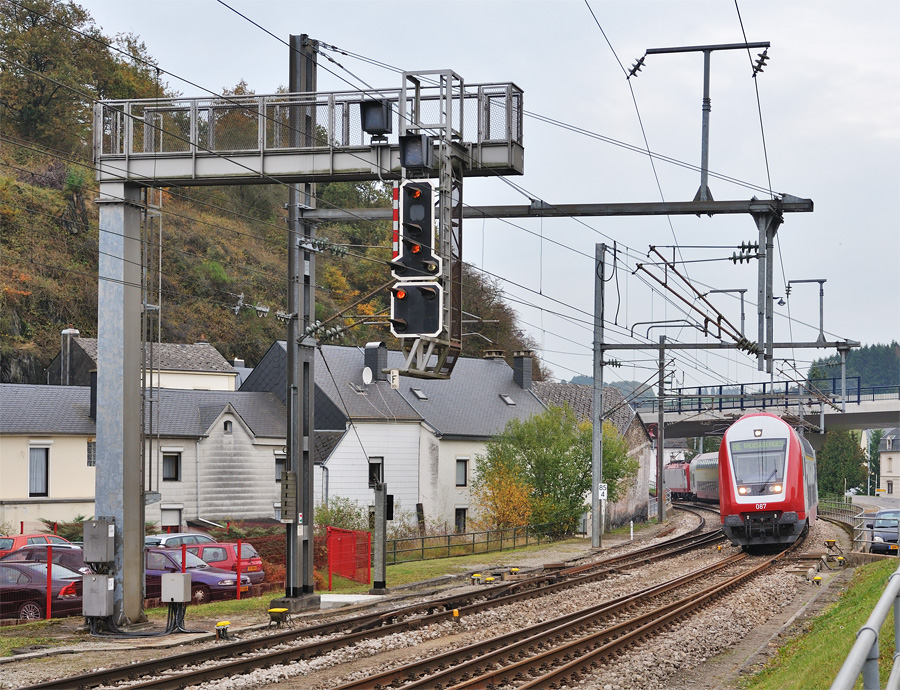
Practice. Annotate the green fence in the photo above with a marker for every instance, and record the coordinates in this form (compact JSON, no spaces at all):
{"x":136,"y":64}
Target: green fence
{"x":464,"y":544}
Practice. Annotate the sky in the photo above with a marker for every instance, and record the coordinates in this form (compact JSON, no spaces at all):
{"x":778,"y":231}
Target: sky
{"x":822,"y":121}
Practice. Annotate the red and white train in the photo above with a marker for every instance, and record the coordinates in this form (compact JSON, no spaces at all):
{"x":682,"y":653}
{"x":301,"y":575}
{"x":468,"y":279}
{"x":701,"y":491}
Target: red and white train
{"x":767,"y":481}
{"x":763,"y":477}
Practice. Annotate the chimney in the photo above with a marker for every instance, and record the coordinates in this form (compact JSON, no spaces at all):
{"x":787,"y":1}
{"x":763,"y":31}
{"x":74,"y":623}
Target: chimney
{"x":522,"y":368}
{"x":65,"y":356}
{"x":376,"y":360}
{"x":93,"y":411}
{"x":236,"y":363}
{"x":493,"y":354}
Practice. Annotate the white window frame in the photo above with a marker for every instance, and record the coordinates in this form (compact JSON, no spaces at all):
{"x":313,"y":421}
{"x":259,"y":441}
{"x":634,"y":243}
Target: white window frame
{"x":462,"y":459}
{"x":33,"y":480}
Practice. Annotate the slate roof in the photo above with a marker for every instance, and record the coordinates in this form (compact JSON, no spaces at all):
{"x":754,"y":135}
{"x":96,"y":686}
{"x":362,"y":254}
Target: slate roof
{"x":173,"y":356}
{"x":340,"y":391}
{"x":64,"y":410}
{"x":469,"y":404}
{"x":45,"y":410}
{"x":894,"y":434}
{"x":581,"y":399}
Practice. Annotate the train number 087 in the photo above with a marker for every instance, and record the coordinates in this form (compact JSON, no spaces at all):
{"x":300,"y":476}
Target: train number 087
{"x":760,"y":506}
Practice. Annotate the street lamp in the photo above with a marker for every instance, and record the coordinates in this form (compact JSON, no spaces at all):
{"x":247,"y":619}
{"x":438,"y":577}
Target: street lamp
{"x":821,"y":282}
{"x":740,"y":290}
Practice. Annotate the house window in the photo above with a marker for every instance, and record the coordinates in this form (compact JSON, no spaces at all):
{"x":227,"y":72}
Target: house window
{"x":462,"y":471}
{"x":279,"y":466}
{"x":419,"y":393}
{"x":171,"y":469}
{"x":889,"y":443}
{"x":505,"y":398}
{"x":91,"y":453}
{"x":38,"y":471}
{"x":227,"y":426}
{"x":890,"y":487}
{"x":376,"y":471}
{"x":459,"y":520}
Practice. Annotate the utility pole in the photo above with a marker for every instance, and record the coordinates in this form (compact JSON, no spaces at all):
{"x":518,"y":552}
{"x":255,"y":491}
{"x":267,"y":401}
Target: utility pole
{"x":660,"y":432}
{"x":597,"y":421}
{"x":298,"y":477}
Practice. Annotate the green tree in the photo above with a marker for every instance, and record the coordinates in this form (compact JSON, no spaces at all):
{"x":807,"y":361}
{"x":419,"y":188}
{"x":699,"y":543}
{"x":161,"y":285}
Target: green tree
{"x":840,"y":463}
{"x":550,"y":454}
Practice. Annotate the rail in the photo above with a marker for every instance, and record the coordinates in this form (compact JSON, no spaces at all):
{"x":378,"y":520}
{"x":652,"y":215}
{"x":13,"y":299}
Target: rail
{"x":465,"y":544}
{"x":863,"y":657}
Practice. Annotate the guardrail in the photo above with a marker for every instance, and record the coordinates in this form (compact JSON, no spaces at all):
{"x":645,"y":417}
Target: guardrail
{"x":863,"y":657}
{"x":843,"y":510}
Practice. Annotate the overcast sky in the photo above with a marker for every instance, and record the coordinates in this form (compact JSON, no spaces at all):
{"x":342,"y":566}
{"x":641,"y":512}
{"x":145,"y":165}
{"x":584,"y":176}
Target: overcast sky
{"x":830,"y":111}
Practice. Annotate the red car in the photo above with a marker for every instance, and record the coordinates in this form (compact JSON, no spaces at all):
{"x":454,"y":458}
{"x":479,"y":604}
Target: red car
{"x":16,"y":541}
{"x":224,"y":555}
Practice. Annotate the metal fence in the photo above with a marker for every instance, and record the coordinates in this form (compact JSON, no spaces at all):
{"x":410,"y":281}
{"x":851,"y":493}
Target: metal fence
{"x":465,"y":544}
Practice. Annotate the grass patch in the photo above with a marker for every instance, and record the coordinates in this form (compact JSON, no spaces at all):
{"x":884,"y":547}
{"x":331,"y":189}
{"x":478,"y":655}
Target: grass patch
{"x":813,"y":660}
{"x":34,"y":634}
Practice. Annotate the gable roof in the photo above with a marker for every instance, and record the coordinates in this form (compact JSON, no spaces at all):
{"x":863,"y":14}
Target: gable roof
{"x":894,"y":435}
{"x":64,"y":410}
{"x":469,"y":405}
{"x":581,"y":399}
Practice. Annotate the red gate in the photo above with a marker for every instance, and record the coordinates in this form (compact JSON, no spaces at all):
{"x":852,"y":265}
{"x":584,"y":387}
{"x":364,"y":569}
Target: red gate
{"x":349,"y":554}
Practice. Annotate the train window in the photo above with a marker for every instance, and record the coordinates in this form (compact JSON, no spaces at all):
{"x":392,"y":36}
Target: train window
{"x":758,"y":462}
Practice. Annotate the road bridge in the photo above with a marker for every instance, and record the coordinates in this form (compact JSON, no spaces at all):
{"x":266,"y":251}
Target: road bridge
{"x":815,"y":406}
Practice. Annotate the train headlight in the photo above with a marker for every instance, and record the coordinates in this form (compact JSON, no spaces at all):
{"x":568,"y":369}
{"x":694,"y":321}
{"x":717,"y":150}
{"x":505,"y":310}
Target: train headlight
{"x":743,"y":490}
{"x":776,"y":488}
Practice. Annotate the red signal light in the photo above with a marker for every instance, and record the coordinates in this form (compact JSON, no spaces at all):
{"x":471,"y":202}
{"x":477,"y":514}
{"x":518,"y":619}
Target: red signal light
{"x":416,"y":193}
{"x":401,"y":294}
{"x":416,"y":248}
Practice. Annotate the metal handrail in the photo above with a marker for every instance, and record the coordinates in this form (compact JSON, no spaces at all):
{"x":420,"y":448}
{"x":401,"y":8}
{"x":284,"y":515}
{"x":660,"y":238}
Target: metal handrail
{"x":863,"y":657}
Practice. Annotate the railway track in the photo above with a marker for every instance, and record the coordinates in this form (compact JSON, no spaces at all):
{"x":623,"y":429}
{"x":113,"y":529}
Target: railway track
{"x":226,"y":660}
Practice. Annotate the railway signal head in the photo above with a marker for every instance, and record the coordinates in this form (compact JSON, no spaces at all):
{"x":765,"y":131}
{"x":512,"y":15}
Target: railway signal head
{"x":417,"y":258}
{"x":417,"y":310}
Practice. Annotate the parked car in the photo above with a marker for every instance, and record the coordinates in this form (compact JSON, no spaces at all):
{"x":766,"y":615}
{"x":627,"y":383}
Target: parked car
{"x":177,"y":539}
{"x":68,"y":555}
{"x":207,"y":583}
{"x":17,"y":541}
{"x":23,"y":591}
{"x":883,"y":534}
{"x":224,"y":555}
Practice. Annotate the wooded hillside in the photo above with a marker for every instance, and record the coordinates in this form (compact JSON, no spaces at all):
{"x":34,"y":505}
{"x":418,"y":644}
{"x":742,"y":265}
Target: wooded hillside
{"x":217,"y":243}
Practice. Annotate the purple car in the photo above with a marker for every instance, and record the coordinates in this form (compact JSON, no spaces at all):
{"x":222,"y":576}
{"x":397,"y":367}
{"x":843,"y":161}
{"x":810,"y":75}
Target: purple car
{"x":207,"y":583}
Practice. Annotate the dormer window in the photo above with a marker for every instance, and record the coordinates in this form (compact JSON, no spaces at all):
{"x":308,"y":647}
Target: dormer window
{"x":419,"y":393}
{"x":505,"y":398}
{"x":889,"y":443}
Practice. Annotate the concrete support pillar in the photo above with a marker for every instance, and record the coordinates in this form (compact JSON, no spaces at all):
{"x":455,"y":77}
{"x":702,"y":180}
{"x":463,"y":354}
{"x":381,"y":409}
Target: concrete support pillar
{"x":119,"y":483}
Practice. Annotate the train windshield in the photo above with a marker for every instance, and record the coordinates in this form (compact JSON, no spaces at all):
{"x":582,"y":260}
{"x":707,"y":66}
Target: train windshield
{"x":758,"y":462}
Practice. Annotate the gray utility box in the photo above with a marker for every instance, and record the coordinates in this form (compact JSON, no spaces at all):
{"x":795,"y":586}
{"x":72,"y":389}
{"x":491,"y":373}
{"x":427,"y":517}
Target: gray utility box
{"x":99,"y":541}
{"x":98,"y":595}
{"x":176,"y":588}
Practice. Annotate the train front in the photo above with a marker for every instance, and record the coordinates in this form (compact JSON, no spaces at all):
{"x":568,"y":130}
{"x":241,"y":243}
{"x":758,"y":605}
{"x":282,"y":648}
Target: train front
{"x":761,"y":483}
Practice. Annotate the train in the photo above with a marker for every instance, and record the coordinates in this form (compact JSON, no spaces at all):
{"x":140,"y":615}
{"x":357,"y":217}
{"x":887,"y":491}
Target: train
{"x":763,"y":478}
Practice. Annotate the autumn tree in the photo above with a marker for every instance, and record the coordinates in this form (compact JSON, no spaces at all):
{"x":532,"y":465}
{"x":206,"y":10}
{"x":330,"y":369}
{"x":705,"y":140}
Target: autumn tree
{"x":540,"y":469}
{"x":56,"y":62}
{"x":840,"y":463}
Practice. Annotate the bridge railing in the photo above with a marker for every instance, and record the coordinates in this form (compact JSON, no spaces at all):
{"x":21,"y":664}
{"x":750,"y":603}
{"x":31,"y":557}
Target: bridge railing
{"x":767,"y":395}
